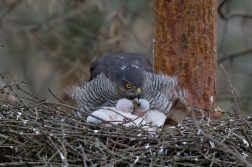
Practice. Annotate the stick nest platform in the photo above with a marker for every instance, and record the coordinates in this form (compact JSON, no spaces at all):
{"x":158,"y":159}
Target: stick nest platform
{"x":41,"y":133}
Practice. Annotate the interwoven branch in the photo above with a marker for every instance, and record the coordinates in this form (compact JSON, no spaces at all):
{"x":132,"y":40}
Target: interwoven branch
{"x":43,"y":133}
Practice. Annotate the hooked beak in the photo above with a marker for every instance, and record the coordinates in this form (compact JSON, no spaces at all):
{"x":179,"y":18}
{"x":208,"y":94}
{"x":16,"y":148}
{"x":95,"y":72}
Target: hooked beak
{"x":138,"y":93}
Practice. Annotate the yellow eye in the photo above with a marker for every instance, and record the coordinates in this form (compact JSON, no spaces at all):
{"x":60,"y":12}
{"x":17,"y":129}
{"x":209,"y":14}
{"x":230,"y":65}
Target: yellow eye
{"x":128,"y":86}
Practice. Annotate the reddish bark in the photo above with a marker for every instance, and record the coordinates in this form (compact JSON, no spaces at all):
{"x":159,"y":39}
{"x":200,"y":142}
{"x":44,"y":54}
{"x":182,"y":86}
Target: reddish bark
{"x":185,"y":46}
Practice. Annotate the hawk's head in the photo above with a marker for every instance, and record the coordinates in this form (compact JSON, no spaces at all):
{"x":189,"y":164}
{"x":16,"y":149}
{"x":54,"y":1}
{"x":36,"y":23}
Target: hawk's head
{"x":128,"y":81}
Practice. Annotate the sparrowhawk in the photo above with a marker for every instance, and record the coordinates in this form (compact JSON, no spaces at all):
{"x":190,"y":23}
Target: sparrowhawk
{"x":126,"y":75}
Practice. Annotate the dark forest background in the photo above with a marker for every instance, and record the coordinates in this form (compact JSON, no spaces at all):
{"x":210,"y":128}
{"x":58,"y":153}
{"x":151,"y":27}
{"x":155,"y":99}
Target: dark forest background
{"x":51,"y":43}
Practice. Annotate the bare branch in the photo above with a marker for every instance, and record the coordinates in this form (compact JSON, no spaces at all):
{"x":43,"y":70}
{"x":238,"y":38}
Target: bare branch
{"x":232,"y":14}
{"x":233,"y":93}
{"x":11,"y":8}
{"x":44,"y":25}
{"x":220,"y":8}
{"x":231,"y":56}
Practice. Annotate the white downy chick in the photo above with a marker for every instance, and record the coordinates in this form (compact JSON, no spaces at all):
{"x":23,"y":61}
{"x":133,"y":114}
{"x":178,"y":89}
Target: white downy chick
{"x":106,"y":114}
{"x":154,"y":117}
{"x":125,"y":108}
{"x":124,"y":105}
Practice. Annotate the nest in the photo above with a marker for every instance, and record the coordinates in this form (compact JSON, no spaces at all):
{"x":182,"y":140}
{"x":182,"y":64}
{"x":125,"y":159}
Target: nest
{"x":41,"y":133}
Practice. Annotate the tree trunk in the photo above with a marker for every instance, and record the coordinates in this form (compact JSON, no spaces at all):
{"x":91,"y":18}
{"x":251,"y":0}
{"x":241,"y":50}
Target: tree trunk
{"x":185,"y":46}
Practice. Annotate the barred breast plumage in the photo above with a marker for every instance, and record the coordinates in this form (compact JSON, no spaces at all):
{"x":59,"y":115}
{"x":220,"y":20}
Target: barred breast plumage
{"x":95,"y":94}
{"x":126,"y":75}
{"x":159,"y":90}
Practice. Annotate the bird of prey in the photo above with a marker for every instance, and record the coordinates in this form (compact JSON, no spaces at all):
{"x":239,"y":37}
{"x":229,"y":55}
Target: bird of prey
{"x":124,"y":71}
{"x":126,"y":75}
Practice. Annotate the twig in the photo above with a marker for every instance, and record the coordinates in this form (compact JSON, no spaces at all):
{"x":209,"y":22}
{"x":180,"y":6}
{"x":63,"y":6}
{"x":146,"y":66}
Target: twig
{"x":229,"y":132}
{"x":44,"y":25}
{"x":24,"y":164}
{"x":12,"y":6}
{"x":232,"y":14}
{"x":224,"y":146}
{"x":9,"y":85}
{"x":12,"y":140}
{"x":2,"y":76}
{"x":56,"y":96}
{"x":247,"y":138}
{"x":233,"y":93}
{"x":29,"y":93}
{"x":231,"y":56}
{"x":84,"y":155}
{"x":236,"y":101}
{"x":219,"y":9}
{"x":57,"y":152}
{"x":64,"y":157}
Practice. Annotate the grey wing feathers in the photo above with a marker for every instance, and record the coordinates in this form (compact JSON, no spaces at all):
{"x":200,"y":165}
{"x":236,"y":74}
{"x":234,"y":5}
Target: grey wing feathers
{"x":95,"y":94}
{"x":160,"y":90}
{"x":94,"y":69}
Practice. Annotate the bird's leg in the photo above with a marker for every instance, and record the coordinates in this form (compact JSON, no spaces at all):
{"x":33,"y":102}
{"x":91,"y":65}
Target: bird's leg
{"x":111,"y":118}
